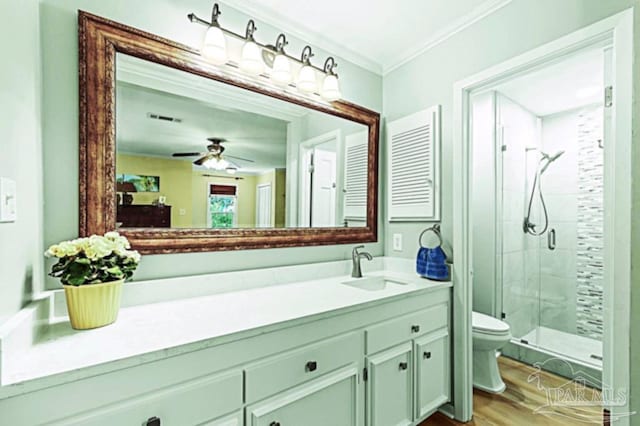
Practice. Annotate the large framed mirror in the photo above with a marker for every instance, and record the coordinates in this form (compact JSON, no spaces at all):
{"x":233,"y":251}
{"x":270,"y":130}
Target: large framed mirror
{"x":181,"y":156}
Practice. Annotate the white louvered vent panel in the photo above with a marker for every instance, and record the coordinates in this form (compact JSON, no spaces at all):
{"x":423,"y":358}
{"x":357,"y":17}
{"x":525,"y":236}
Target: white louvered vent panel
{"x":356,"y":155}
{"x":411,"y":166}
{"x":412,"y":148}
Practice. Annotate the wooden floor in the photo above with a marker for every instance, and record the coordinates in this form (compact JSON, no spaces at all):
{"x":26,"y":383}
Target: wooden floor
{"x":516,"y":405}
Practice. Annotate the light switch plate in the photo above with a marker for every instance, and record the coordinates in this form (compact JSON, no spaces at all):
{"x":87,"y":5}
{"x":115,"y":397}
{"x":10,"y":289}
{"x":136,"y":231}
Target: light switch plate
{"x":397,"y":242}
{"x":8,"y":211}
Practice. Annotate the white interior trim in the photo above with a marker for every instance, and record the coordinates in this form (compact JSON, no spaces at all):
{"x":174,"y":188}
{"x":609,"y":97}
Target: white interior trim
{"x":619,"y":30}
{"x":478,"y":13}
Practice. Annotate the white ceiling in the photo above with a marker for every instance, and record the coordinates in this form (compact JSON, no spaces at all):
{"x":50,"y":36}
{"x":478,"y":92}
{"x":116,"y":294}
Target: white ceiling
{"x":561,"y":86}
{"x":379,"y":35}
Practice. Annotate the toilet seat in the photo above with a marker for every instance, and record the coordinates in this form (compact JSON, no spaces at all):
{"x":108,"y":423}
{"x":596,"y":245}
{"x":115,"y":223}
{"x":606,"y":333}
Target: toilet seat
{"x":485,"y":324}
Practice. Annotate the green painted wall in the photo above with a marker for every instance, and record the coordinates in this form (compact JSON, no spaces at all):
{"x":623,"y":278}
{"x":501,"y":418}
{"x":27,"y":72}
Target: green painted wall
{"x":60,"y":114}
{"x":516,"y":28}
{"x":20,"y":154}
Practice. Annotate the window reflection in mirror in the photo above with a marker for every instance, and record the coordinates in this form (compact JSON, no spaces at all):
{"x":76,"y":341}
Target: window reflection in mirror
{"x":196,"y":153}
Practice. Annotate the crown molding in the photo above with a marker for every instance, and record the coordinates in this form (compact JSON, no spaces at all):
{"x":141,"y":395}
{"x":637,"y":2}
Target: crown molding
{"x":293,"y":28}
{"x":478,"y":13}
{"x":298,"y":31}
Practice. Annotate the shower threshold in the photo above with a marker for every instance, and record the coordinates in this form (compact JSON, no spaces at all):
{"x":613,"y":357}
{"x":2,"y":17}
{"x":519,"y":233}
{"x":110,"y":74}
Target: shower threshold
{"x":579,"y":348}
{"x":565,"y":354}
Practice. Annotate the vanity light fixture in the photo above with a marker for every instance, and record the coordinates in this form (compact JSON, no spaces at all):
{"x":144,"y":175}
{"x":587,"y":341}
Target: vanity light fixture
{"x":330,"y":85}
{"x":214,"y":47}
{"x":307,"y":77}
{"x":281,"y":72}
{"x":252,"y":62}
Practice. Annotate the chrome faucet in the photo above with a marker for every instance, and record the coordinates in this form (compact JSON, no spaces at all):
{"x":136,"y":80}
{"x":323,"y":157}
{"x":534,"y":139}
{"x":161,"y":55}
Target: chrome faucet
{"x":356,"y":272}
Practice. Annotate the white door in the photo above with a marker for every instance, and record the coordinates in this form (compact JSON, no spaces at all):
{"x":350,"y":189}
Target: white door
{"x":263,"y":206}
{"x":323,"y":188}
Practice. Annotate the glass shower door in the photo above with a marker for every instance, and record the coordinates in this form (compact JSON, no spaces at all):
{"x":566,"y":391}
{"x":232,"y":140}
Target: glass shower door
{"x":518,"y":260}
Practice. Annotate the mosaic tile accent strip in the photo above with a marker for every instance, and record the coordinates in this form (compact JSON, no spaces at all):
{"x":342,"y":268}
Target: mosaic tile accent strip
{"x":590,"y":256}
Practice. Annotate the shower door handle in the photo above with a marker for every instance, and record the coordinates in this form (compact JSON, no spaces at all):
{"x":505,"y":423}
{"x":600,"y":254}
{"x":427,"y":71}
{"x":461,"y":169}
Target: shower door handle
{"x":551,"y":239}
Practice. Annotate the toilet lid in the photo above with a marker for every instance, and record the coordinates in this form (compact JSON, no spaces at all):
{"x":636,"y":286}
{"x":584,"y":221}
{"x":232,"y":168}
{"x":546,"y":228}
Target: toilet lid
{"x":484,"y":322}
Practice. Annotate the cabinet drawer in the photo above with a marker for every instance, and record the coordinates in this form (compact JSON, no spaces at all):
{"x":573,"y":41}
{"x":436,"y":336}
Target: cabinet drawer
{"x":331,"y":400}
{"x":194,"y":402}
{"x":292,"y":368}
{"x":407,"y":327}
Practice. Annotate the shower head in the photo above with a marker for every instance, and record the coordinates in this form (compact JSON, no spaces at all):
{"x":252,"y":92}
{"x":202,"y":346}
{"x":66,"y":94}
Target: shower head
{"x":550,"y":159}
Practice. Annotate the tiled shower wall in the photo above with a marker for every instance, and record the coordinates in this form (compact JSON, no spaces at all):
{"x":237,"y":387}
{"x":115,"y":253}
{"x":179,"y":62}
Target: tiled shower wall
{"x":590,"y":233}
{"x":571,"y":275}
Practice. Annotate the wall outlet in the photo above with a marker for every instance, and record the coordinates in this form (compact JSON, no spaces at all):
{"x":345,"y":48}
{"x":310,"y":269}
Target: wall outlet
{"x":8,"y":211}
{"x":182,"y":212}
{"x":397,"y":242}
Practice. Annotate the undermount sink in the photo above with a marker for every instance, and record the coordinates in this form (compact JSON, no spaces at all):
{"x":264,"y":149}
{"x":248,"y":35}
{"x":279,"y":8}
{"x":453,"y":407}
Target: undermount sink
{"x":372,"y":283}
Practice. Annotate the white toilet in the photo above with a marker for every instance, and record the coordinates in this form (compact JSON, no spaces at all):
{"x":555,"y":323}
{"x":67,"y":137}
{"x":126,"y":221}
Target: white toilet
{"x":489,"y":335}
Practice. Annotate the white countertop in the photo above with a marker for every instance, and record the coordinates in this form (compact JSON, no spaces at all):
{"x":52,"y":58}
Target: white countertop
{"x":151,"y":332}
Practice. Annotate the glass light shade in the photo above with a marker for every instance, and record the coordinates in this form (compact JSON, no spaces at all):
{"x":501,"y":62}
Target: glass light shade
{"x":251,"y":61}
{"x":214,"y":47}
{"x":281,"y":72}
{"x":216,"y":164}
{"x":331,"y":88}
{"x":231,"y":170}
{"x":307,"y":79}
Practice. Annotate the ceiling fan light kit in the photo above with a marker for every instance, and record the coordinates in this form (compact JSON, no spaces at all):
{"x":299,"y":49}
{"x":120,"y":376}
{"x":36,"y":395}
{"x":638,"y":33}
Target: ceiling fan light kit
{"x":212,"y":158}
{"x":254,"y":53}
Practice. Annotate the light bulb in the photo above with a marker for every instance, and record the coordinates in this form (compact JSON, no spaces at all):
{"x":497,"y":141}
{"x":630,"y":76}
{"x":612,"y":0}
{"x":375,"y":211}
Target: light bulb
{"x":281,"y":73}
{"x":331,"y":88}
{"x":214,"y":47}
{"x":221,"y":164}
{"x":251,"y":61}
{"x":307,"y":79}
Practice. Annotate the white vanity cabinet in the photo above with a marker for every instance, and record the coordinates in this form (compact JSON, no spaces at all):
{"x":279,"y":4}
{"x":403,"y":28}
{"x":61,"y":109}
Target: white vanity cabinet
{"x":408,"y":367}
{"x":382,"y":363}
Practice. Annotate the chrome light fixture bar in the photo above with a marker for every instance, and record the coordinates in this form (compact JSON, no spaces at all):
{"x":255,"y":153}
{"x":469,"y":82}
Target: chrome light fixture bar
{"x":215,"y":51}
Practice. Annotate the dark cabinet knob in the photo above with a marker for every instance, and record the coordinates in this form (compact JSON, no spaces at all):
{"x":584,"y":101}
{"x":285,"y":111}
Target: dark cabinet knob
{"x":274,"y":424}
{"x":403,"y":366}
{"x":426,"y":355}
{"x":153,"y":421}
{"x":415,"y":328}
{"x":311,"y":366}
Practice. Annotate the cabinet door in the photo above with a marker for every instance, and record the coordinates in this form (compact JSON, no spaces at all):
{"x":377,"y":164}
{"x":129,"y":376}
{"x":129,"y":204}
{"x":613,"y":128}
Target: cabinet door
{"x":390,"y":387}
{"x":432,"y":372}
{"x":329,"y":400}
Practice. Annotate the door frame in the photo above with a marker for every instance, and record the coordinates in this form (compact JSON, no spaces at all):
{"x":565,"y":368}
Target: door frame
{"x":617,"y":30}
{"x":305,"y":183}
{"x":271,"y":212}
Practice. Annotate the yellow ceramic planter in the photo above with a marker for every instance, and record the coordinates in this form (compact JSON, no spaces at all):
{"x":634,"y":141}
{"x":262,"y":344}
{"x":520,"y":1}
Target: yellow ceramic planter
{"x":93,"y":305}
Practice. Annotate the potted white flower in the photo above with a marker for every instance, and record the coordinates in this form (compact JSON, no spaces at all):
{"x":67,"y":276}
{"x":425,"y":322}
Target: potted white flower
{"x":92,"y":271}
